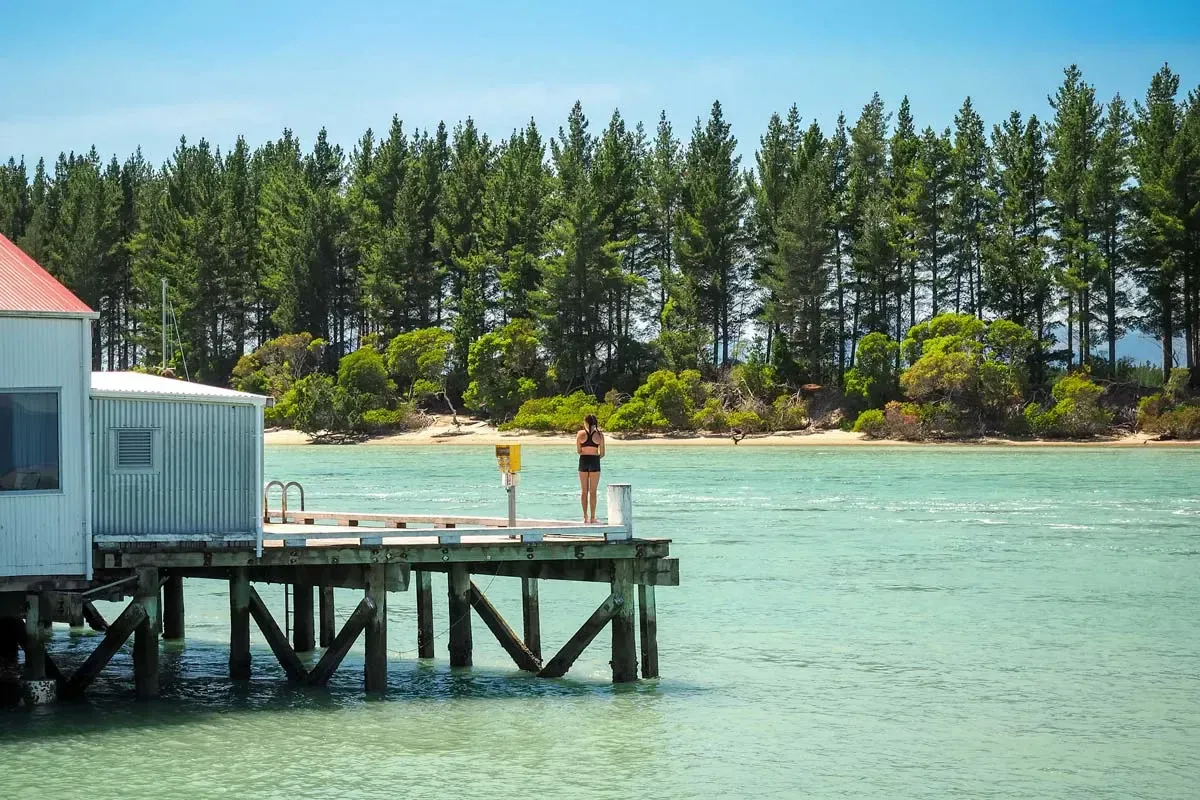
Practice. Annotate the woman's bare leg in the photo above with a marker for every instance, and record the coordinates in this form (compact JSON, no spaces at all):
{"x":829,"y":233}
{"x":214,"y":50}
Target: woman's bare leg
{"x":593,"y":484}
{"x":583,"y":493}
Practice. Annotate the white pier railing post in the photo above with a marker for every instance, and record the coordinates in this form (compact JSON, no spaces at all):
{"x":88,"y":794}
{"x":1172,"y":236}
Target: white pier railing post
{"x":620,"y":508}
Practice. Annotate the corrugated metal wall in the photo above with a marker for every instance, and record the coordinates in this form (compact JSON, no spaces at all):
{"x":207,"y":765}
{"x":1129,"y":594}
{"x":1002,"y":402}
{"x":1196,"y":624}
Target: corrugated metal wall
{"x":206,"y":478}
{"x":45,"y":533}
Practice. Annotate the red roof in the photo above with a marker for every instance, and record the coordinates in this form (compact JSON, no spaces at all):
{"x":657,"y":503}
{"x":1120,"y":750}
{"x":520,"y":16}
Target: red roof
{"x":25,"y":286}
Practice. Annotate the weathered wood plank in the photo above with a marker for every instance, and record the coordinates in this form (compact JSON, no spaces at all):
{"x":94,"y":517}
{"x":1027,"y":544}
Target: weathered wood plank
{"x":326,"y":614}
{"x":422,"y":552}
{"x":531,"y":616}
{"x":650,"y":572}
{"x":93,"y":617}
{"x":332,"y":657}
{"x":278,"y":642}
{"x":424,"y":614}
{"x":624,"y":648}
{"x":145,"y":636}
{"x":304,"y":637}
{"x":116,"y":635}
{"x":565,"y":657}
{"x":648,"y":622}
{"x":342,"y":576}
{"x":173,"y":612}
{"x":376,"y":632}
{"x":401,"y":520}
{"x":459,"y":591}
{"x":239,"y":624}
{"x":512,"y":644}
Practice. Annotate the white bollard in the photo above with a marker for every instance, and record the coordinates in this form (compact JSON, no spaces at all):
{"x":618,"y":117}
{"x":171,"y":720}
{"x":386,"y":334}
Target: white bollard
{"x":620,"y":509}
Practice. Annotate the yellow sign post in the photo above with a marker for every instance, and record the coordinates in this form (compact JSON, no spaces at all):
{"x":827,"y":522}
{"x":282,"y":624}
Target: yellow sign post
{"x":508,"y":458}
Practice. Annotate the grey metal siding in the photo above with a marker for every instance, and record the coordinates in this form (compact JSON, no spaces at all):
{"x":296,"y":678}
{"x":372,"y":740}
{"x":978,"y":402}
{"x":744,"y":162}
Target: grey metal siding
{"x":46,"y":533}
{"x":205,"y":476}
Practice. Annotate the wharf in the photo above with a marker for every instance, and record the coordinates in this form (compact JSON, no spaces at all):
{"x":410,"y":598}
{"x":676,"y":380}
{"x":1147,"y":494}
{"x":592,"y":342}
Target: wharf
{"x":313,"y":552}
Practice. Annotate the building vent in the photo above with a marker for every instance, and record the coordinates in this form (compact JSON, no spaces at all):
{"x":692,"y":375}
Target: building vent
{"x":135,"y":449}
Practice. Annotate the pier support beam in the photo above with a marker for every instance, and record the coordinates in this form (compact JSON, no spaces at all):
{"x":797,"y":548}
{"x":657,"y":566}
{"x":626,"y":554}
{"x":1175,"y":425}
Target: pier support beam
{"x":35,"y":640}
{"x":648,"y":619}
{"x":94,"y":618}
{"x":564,"y":658}
{"x":376,"y":632}
{"x":115,"y":636}
{"x":145,"y":636}
{"x":173,"y":616}
{"x":624,"y":648}
{"x":326,"y":623}
{"x":504,"y":634}
{"x":303,"y":637}
{"x":275,"y":638}
{"x":341,"y":644}
{"x":239,"y":624}
{"x":424,"y":614}
{"x":531,"y":616}
{"x":459,"y":584}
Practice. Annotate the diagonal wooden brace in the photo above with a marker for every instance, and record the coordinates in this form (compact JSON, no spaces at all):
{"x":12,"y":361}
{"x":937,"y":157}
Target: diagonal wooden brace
{"x":321,"y":673}
{"x":562,"y":661}
{"x":116,"y":635}
{"x":279,"y":644}
{"x":504,"y":634}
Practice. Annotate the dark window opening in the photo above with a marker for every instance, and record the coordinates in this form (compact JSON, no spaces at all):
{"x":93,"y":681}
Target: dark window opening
{"x":29,"y":446}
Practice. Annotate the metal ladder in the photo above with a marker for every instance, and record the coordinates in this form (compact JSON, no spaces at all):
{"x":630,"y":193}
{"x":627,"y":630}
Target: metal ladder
{"x":283,"y":518}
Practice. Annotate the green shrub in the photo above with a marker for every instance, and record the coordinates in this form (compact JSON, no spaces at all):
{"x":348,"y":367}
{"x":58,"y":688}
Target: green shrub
{"x":364,"y":372}
{"x":1149,"y":409}
{"x":746,"y":421}
{"x":711,"y":417}
{"x":503,"y":368}
{"x":419,"y":360}
{"x":1181,"y":423}
{"x":903,"y":421}
{"x":1177,"y":384}
{"x":789,"y":413}
{"x":872,"y":423}
{"x":872,"y":379}
{"x":276,"y":366}
{"x":1076,"y":414}
{"x":558,"y":413}
{"x":385,"y":420}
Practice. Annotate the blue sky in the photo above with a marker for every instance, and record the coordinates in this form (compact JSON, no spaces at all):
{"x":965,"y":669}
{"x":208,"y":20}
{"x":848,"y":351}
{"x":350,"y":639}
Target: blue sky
{"x":126,"y":72}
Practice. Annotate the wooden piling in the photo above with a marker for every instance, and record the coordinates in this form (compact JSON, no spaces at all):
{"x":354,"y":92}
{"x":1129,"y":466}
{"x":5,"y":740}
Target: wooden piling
{"x":115,"y":636}
{"x":648,"y":619}
{"x":239,"y":624}
{"x":35,"y":640}
{"x":326,"y":622}
{"x":508,"y":639}
{"x":624,"y":648}
{"x":531,"y":616}
{"x":145,"y":636}
{"x":424,"y":614}
{"x":564,"y":658}
{"x":459,"y":588}
{"x":173,"y":615}
{"x":276,"y":639}
{"x":376,"y":632}
{"x":303,"y":635}
{"x":341,"y":644}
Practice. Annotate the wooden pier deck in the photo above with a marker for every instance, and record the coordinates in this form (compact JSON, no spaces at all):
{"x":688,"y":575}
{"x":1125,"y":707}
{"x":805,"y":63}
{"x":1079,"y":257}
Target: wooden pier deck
{"x":379,"y":554}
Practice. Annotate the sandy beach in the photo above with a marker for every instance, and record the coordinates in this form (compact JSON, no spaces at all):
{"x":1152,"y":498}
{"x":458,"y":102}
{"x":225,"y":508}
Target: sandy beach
{"x":475,"y":433}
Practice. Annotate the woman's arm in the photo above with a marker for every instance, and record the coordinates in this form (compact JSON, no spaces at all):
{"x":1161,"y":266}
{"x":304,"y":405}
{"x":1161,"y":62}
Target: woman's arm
{"x":579,"y":443}
{"x":602,"y":438}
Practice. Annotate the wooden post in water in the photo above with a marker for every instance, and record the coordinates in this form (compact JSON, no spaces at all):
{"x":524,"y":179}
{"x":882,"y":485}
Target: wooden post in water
{"x":145,"y":635}
{"x":424,"y":614}
{"x":531,"y":616}
{"x":239,"y":624}
{"x":35,"y":641}
{"x":459,"y":585}
{"x":303,"y":637}
{"x":173,"y":616}
{"x":376,"y":632}
{"x":624,"y":648}
{"x":648,"y":619}
{"x":326,"y":615}
{"x":620,"y":507}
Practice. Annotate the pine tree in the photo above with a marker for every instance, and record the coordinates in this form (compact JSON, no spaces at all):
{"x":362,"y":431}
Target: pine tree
{"x":841,"y":229}
{"x":904,"y":185}
{"x":871,"y":252}
{"x":664,"y":187}
{"x":969,"y":207}
{"x":1109,"y":201}
{"x":770,"y":187}
{"x":935,"y":171}
{"x":14,"y":199}
{"x":515,"y":219}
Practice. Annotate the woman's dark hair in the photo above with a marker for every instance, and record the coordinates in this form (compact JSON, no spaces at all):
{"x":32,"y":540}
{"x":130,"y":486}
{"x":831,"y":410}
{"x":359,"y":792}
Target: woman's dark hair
{"x":591,"y":422}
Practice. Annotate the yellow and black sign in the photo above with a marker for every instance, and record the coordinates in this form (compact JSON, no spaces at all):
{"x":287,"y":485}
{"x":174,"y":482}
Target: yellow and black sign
{"x":508,"y":456}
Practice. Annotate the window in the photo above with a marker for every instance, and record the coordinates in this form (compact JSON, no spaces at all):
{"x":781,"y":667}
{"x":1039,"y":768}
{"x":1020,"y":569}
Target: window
{"x":29,"y":452}
{"x":133,"y":450}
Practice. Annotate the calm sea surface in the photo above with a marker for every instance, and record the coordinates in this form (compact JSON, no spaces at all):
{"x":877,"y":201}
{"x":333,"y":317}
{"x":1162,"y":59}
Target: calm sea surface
{"x":855,"y":622}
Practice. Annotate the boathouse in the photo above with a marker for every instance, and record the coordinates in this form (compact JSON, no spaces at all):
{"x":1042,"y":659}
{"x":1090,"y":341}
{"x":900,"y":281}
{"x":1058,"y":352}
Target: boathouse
{"x":45,"y":369}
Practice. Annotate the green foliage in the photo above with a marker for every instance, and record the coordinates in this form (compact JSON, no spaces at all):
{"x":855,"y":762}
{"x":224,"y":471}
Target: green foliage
{"x":711,"y":416}
{"x":1177,"y":386}
{"x":1076,"y":413}
{"x":363,"y":373}
{"x":872,"y":380}
{"x":503,"y":368}
{"x":756,"y":378}
{"x":872,"y":423}
{"x":273,"y":368}
{"x":317,"y":405}
{"x":378,"y":421}
{"x":419,"y":361}
{"x":788,"y":413}
{"x":746,"y":421}
{"x":665,"y":402}
{"x":1179,"y":423}
{"x":558,"y":413}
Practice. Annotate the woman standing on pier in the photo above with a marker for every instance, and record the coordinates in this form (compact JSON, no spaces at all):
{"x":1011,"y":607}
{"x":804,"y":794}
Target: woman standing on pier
{"x":589,"y":443}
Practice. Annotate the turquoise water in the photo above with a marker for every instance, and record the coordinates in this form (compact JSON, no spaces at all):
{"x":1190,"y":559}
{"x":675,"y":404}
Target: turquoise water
{"x":853,"y":622}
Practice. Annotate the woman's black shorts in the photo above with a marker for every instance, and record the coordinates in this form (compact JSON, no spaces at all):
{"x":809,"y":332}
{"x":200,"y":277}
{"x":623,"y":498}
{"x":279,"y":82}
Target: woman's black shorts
{"x":589,"y":463}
